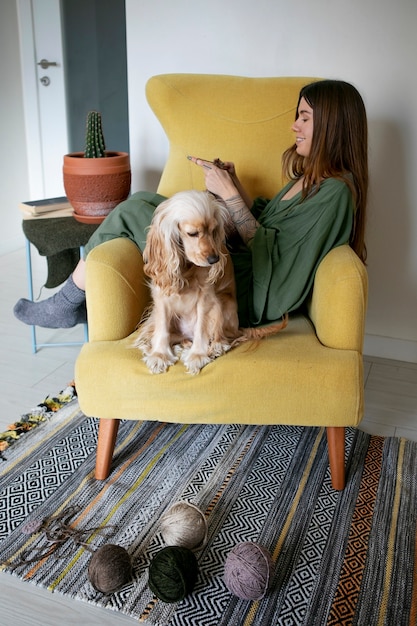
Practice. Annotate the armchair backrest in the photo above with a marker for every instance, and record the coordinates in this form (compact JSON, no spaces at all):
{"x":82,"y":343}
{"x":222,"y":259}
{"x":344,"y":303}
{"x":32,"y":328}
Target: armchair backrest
{"x":248,"y":121}
{"x":234,"y":118}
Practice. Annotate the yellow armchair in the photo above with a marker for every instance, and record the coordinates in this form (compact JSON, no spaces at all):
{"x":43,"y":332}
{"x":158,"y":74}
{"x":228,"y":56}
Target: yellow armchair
{"x":311,"y":374}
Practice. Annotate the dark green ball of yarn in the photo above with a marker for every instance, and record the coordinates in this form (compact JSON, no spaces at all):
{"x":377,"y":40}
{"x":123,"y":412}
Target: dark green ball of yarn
{"x":173,"y":573}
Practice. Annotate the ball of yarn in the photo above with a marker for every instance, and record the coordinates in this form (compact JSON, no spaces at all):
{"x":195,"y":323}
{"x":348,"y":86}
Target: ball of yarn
{"x":248,"y":571}
{"x":172,"y":573}
{"x":184,"y":525}
{"x":110,"y":568}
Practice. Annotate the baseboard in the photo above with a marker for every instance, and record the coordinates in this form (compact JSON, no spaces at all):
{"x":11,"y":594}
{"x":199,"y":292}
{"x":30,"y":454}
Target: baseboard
{"x":389,"y":348}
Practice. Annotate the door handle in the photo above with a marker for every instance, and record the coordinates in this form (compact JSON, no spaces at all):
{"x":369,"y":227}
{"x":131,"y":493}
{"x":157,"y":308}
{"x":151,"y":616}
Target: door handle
{"x":44,"y":63}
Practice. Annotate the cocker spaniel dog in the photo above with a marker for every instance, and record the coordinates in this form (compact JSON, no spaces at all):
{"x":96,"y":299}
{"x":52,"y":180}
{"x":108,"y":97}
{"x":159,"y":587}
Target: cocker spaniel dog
{"x":193,"y":315}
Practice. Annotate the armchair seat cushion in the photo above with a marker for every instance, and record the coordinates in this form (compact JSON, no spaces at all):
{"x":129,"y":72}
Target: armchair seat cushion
{"x":289,"y":378}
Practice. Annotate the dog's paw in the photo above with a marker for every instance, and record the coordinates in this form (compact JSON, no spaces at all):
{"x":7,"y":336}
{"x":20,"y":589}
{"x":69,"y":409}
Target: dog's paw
{"x":158,"y":363}
{"x":217,"y":348}
{"x":195,"y":362}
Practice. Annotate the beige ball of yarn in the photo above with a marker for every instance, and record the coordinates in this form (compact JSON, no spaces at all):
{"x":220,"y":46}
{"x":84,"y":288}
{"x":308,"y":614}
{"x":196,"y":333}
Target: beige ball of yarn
{"x":110,"y":568}
{"x":184,"y":525}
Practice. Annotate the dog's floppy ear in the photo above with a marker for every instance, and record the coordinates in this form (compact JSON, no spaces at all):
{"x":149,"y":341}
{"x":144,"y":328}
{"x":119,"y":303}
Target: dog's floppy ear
{"x":217,"y":269}
{"x":163,"y":256}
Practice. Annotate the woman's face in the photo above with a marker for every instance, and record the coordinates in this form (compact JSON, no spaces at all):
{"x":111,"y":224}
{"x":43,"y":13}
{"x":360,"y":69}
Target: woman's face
{"x":303,"y":128}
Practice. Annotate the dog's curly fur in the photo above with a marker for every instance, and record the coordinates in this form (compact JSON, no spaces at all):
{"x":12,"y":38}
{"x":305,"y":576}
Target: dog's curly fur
{"x":194,"y":310}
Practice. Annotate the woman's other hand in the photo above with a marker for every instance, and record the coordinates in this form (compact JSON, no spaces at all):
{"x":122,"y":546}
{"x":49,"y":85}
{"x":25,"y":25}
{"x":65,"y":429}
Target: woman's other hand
{"x":219,"y":176}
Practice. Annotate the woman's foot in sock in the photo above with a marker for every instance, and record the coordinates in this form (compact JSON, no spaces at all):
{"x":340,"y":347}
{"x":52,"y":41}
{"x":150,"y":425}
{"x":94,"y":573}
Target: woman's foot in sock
{"x":48,"y":315}
{"x":64,"y":309}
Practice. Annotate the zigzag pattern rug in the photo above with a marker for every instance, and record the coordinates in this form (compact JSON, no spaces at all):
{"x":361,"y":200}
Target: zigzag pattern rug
{"x":341,"y":557}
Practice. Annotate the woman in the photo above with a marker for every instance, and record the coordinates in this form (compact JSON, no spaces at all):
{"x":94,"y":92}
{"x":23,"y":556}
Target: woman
{"x":280,"y":242}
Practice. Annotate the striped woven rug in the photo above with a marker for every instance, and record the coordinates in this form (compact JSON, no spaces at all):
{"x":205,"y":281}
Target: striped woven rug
{"x":341,"y":558}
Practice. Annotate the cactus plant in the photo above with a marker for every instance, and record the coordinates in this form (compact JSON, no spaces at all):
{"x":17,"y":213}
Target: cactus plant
{"x":94,"y":140}
{"x":95,"y":185}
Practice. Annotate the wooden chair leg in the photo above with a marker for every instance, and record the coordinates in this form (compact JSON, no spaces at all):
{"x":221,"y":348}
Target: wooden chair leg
{"x":336,"y":447}
{"x":107,"y":433}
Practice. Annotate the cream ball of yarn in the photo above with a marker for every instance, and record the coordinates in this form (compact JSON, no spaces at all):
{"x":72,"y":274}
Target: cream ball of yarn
{"x":184,"y":525}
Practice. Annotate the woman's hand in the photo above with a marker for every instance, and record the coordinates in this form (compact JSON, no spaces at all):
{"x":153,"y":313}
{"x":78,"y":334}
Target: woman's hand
{"x":229,"y":186}
{"x":219,"y":177}
{"x":221,"y":180}
{"x":228,"y":166}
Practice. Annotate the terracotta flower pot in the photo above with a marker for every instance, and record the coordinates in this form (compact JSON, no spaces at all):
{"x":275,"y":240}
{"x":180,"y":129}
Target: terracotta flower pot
{"x":95,"y":186}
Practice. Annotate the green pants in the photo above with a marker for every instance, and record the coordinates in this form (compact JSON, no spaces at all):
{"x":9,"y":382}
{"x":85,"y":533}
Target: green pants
{"x":130,"y":219}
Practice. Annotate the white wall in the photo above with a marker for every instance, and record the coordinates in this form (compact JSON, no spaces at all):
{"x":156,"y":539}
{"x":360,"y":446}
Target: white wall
{"x":370,"y":43}
{"x":14,"y":184}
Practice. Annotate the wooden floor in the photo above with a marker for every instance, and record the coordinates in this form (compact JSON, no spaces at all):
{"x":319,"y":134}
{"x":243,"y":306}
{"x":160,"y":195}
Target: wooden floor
{"x":26,"y":379}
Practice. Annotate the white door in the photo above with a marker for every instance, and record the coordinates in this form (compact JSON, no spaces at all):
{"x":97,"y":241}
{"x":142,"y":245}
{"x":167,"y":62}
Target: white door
{"x":44,"y":95}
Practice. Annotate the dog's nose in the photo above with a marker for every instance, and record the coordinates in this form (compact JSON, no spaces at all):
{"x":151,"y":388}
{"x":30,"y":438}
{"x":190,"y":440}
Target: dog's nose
{"x":213,"y":258}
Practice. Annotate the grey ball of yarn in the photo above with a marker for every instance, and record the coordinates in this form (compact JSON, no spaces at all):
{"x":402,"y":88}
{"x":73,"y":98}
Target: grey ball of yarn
{"x":184,"y":525}
{"x":110,"y":568}
{"x":248,"y":571}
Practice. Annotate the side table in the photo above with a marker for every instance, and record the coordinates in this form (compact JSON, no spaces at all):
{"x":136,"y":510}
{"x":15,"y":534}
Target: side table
{"x":61,"y":241}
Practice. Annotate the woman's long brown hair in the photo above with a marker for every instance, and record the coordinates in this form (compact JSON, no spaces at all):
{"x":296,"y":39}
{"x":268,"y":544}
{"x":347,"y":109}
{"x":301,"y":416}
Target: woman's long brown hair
{"x":339,"y":148}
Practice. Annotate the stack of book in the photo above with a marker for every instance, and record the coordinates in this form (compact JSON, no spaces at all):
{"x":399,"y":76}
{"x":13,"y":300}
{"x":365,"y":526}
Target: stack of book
{"x":41,"y":209}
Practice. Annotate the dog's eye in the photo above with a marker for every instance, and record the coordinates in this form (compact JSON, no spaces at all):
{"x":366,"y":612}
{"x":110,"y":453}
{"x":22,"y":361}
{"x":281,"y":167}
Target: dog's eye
{"x":193,"y":234}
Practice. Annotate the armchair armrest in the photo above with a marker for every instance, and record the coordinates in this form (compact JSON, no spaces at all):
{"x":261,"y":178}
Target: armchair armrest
{"x":338,"y":303}
{"x":116,"y":290}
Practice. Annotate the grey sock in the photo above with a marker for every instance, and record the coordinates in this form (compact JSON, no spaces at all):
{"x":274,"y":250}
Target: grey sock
{"x":64,"y":309}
